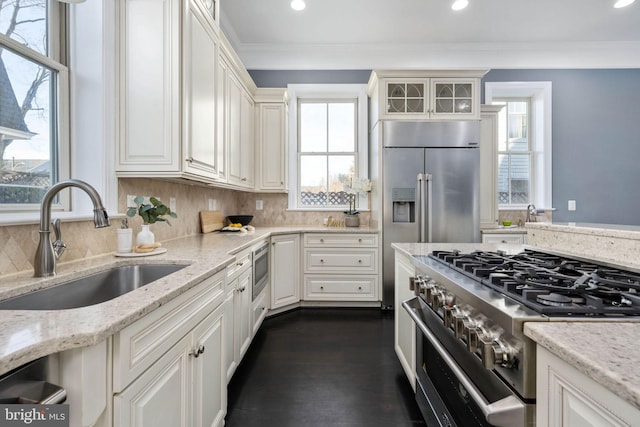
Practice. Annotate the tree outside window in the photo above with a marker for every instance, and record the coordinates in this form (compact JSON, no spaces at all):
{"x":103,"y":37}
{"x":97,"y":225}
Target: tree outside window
{"x":28,"y":102}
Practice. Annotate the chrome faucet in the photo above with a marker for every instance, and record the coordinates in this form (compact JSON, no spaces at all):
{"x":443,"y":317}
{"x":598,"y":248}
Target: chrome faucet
{"x":531,"y":213}
{"x":47,"y":253}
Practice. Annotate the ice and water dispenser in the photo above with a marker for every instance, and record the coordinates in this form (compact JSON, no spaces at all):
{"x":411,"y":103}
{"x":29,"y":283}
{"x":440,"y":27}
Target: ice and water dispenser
{"x":404,"y":204}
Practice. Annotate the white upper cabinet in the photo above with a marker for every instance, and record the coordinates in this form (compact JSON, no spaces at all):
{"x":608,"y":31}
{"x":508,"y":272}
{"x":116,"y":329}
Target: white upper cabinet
{"x":271,"y":140}
{"x":239,"y":134}
{"x":167,"y":82}
{"x":200,"y":139}
{"x":422,"y":95}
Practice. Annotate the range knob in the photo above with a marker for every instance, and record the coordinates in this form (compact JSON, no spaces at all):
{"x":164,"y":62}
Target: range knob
{"x":495,"y":352}
{"x":460,"y":325}
{"x":435,"y":298}
{"x":474,"y":334}
{"x":448,"y":313}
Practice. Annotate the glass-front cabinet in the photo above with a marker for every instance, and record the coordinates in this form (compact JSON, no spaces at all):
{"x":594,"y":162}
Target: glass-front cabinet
{"x":419,"y":95}
{"x":453,"y":97}
{"x":406,"y":97}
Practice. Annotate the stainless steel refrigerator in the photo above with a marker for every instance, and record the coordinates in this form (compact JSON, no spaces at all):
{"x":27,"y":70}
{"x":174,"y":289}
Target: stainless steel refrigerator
{"x":431,"y":173}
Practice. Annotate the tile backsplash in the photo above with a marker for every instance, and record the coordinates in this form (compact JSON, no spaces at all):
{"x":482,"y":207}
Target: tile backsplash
{"x":18,"y":243}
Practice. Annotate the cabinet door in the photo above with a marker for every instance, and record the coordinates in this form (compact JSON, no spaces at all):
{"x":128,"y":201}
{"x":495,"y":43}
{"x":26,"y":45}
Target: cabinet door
{"x":200,"y":138}
{"x":271,"y":146}
{"x":406,"y":98}
{"x":229,"y":336}
{"x":405,"y":329}
{"x":159,"y":397}
{"x":454,"y":99}
{"x":247,"y":166}
{"x":242,"y":314}
{"x":565,"y":397}
{"x":285,"y":270}
{"x":149,"y":96}
{"x":209,"y":371}
{"x":234,"y":152}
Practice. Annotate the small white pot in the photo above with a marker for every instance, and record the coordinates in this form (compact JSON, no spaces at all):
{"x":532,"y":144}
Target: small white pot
{"x":145,"y":236}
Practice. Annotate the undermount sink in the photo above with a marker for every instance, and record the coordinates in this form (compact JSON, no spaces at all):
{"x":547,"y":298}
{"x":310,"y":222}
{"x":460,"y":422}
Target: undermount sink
{"x":93,"y":289}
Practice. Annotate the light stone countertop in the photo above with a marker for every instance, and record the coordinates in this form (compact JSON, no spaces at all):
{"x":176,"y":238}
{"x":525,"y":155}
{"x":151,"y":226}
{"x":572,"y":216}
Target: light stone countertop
{"x":604,"y":230}
{"x":28,"y":334}
{"x":607,"y":352}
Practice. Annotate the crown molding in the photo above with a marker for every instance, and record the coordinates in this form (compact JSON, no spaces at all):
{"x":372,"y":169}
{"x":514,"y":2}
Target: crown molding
{"x":440,"y":55}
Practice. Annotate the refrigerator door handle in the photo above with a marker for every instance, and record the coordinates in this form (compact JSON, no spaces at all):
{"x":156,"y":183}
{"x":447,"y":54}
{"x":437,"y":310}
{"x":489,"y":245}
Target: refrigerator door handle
{"x":424,"y":208}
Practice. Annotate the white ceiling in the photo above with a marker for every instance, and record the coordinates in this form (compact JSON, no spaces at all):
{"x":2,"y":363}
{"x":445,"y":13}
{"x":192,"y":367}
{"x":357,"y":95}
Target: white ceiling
{"x":365,"y":34}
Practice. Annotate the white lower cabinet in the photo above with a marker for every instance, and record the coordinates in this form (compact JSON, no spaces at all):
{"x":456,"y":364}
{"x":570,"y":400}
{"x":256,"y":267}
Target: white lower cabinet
{"x":285,"y":270}
{"x":237,"y":306}
{"x":404,"y":327}
{"x":260,"y":307}
{"x":568,"y":398}
{"x":341,"y":267}
{"x":518,"y":239}
{"x":168,"y":367}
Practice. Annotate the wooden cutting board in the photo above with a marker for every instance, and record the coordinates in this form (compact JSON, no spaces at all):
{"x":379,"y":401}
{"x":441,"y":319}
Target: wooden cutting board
{"x":211,"y":221}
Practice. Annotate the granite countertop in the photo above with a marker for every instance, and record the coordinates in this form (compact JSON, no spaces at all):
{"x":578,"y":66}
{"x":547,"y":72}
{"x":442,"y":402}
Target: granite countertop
{"x":607,"y":352}
{"x":28,"y":334}
{"x":514,"y":229}
{"x":604,"y":230}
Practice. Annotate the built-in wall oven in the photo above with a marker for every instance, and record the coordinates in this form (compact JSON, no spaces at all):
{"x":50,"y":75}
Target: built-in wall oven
{"x":474,"y":365}
{"x":260,"y":257}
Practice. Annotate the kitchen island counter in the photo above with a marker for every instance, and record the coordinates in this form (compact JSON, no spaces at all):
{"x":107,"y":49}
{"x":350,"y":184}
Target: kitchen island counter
{"x":29,"y":334}
{"x":607,"y":352}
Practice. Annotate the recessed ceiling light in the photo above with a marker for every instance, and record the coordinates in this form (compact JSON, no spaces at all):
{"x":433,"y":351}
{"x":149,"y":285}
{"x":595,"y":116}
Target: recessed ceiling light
{"x":298,"y":5}
{"x":622,"y":3}
{"x":459,"y":4}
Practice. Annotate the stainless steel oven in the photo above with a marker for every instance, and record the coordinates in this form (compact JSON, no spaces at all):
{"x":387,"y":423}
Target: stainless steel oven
{"x":474,"y":365}
{"x":260,"y":257}
{"x":452,"y":386}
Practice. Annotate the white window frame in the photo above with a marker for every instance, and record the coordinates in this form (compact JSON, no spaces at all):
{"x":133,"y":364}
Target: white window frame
{"x":327,"y":93}
{"x":540,"y":132}
{"x":90,"y":124}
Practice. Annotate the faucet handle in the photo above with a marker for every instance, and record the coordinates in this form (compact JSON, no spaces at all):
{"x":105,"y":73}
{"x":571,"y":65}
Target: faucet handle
{"x":58,"y":244}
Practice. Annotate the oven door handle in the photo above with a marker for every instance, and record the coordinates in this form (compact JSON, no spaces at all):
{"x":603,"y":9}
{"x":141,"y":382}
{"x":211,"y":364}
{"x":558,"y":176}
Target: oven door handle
{"x":505,"y":412}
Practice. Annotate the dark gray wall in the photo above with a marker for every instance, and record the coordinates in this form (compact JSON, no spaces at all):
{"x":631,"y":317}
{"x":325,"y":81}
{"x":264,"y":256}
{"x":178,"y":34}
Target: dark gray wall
{"x":596,"y":135}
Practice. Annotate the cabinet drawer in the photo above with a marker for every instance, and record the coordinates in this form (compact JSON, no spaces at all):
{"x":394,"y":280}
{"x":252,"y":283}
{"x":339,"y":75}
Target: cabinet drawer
{"x":338,"y":260}
{"x":335,"y":240}
{"x":259,"y":311}
{"x":140,"y":344}
{"x":503,"y":238}
{"x":334,"y":288}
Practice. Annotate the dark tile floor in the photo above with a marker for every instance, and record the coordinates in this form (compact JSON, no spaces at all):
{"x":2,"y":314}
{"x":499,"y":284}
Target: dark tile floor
{"x":323,"y":368}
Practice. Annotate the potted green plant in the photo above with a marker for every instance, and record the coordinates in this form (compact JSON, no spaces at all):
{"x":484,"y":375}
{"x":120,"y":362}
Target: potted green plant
{"x":151,"y":212}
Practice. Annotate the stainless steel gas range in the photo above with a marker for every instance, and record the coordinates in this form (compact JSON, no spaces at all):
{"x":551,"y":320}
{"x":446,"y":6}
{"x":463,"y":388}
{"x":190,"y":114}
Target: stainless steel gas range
{"x":474,"y":365}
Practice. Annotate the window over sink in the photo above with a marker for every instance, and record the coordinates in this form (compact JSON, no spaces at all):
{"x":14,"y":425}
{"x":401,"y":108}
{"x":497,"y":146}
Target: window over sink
{"x":524,"y":143}
{"x":34,"y":89}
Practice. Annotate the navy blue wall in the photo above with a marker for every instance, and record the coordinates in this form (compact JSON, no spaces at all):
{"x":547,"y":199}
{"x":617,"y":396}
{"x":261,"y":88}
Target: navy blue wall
{"x":596,"y":135}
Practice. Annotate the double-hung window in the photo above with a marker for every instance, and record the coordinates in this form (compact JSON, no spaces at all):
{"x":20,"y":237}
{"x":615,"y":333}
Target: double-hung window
{"x":524,"y":143}
{"x":328,"y":150}
{"x":514,"y":152}
{"x":33,"y":102}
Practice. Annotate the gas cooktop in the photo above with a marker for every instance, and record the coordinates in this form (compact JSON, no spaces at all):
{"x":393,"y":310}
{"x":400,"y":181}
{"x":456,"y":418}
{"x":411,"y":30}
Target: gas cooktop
{"x":551,"y":284}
